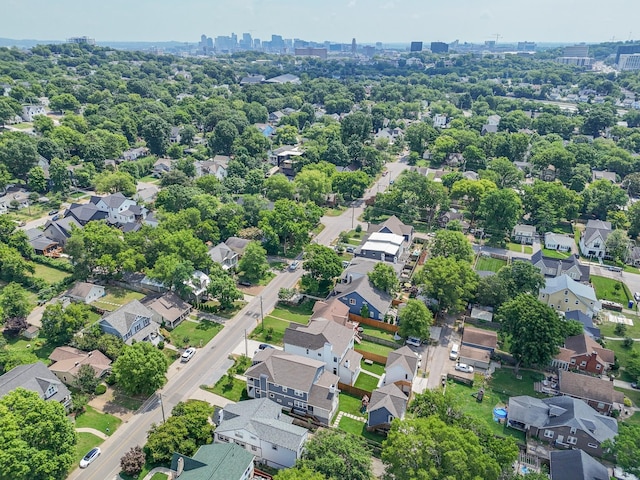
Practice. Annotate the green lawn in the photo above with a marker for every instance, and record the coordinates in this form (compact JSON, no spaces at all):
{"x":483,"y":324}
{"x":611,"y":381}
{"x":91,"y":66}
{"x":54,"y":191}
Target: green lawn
{"x":606,"y":289}
{"x":633,"y":395}
{"x":489,"y":264}
{"x":504,"y":381}
{"x":92,"y":418}
{"x":196,"y":334}
{"x":277,"y":333}
{"x":334,"y":212}
{"x":379,"y":333}
{"x":50,"y":275}
{"x":515,"y":247}
{"x":30,"y":351}
{"x":634,"y":419}
{"x":359,"y":428}
{"x":277,"y":265}
{"x":555,"y":254}
{"x":159,"y":476}
{"x":367,"y":382}
{"x":350,"y":404}
{"x":293,"y":314}
{"x":376,"y":368}
{"x":607,"y":329}
{"x":229,"y":313}
{"x":125,"y":401}
{"x":623,"y":355}
{"x":371,"y":347}
{"x":236,"y":391}
{"x":149,"y":179}
{"x":116,"y":297}
{"x":86,"y":441}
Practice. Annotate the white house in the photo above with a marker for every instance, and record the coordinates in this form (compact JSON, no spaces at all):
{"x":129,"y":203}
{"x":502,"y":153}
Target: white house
{"x":328,"y":342}
{"x":594,"y":237}
{"x":119,"y":209}
{"x":439,"y":120}
{"x":30,"y":111}
{"x":524,"y":234}
{"x":224,"y":255}
{"x":558,"y":241}
{"x":259,"y":426}
{"x":401,"y":368}
{"x":85,"y":292}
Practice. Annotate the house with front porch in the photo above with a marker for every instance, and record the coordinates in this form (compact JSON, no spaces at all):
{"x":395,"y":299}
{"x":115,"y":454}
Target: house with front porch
{"x":558,"y":241}
{"x":37,"y":378}
{"x":524,"y":234}
{"x":594,"y":238}
{"x":386,"y":404}
{"x":130,"y":322}
{"x":581,"y":352}
{"x":598,"y":393}
{"x":565,"y":294}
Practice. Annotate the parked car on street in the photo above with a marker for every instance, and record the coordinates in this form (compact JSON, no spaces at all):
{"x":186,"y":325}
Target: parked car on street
{"x":463,"y":367}
{"x":413,"y":341}
{"x":294,"y":265}
{"x":90,"y":457}
{"x":187,"y":354}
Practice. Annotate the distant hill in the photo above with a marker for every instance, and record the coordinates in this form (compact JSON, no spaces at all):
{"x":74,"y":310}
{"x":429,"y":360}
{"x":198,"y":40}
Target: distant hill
{"x":28,"y":43}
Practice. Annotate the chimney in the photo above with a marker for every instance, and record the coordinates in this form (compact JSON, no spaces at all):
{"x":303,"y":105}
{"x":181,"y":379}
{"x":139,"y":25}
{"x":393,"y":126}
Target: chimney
{"x":77,"y":363}
{"x":180,"y":467}
{"x":559,"y":269}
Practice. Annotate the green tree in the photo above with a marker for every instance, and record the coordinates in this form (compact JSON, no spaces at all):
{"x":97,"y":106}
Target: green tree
{"x":471,"y":193}
{"x":173,"y":271}
{"x":43,"y":124}
{"x":223,"y":288}
{"x":253,"y":263}
{"x":384,"y":278}
{"x":452,"y":283}
{"x":64,"y":102}
{"x":617,"y":245}
{"x":312,"y":185}
{"x":334,"y":454}
{"x":14,"y":301}
{"x":18,"y":153}
{"x":418,"y":135}
{"x":288,"y":224}
{"x":286,"y":135}
{"x":500,"y":211}
{"x":626,"y":447}
{"x":602,"y":197}
{"x":597,"y":118}
{"x":36,"y":180}
{"x":504,"y":173}
{"x":533,"y":329}
{"x":86,"y":380}
{"x":452,"y":244}
{"x":222,"y":137}
{"x":156,"y":132}
{"x":13,"y":266}
{"x":634,"y":219}
{"x":521,"y":277}
{"x":350,"y":185}
{"x":37,"y":439}
{"x":140,"y":368}
{"x":429,"y":449}
{"x":415,"y":320}
{"x":60,"y":324}
{"x":279,"y":187}
{"x":298,"y":473}
{"x":113,"y":182}
{"x":322,"y":263}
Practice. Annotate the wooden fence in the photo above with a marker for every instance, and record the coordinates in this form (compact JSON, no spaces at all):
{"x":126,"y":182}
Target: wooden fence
{"x":379,"y":341}
{"x":355,"y":391}
{"x":374,"y":357}
{"x":373,"y":323}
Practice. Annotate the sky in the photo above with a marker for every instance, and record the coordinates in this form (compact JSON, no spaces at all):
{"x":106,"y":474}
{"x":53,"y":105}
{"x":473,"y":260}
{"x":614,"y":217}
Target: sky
{"x":388,"y":21}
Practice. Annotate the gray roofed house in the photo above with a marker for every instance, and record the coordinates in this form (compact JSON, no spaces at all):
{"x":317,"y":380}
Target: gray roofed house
{"x":564,"y":293}
{"x":355,"y":293}
{"x":37,"y":378}
{"x":252,"y":79}
{"x":604,"y":175}
{"x":41,"y":244}
{"x":327,"y":341}
{"x":554,"y":267}
{"x":596,"y":392}
{"x":237,"y":244}
{"x":85,"y":213}
{"x":576,"y":465}
{"x":566,"y":422}
{"x":85,"y":292}
{"x":214,"y":462}
{"x":60,"y":230}
{"x":132,"y":321}
{"x":594,"y":237}
{"x":395,"y":226}
{"x":285,"y":78}
{"x":263,"y":430}
{"x":524,"y":234}
{"x":224,"y":255}
{"x":169,"y":309}
{"x":401,"y":368}
{"x":68,"y":360}
{"x":558,"y":241}
{"x":386,"y":403}
{"x":296,"y":383}
{"x":585,"y":320}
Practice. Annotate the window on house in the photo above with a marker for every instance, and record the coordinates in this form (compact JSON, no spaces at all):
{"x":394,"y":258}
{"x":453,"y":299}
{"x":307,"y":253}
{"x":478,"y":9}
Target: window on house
{"x":600,"y":406}
{"x":253,"y":448}
{"x":572,"y":440}
{"x":566,"y":300}
{"x":271,"y":395}
{"x":576,"y":302}
{"x":352,"y":301}
{"x":298,"y":393}
{"x":598,"y":367}
{"x":566,"y":292}
{"x":573,"y":430}
{"x":592,"y":445}
{"x":583,"y":363}
{"x":573,"y":360}
{"x":307,"y":351}
{"x":390,"y":418}
{"x":335,"y":359}
{"x":549,"y":433}
{"x":284,"y":389}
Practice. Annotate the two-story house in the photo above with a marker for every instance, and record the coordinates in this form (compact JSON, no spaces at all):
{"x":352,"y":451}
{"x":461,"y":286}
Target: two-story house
{"x":395,"y":226}
{"x":386,"y":247}
{"x":555,"y":267}
{"x":576,"y":465}
{"x":565,"y":294}
{"x":119,"y":209}
{"x":599,"y":394}
{"x":224,"y":255}
{"x":214,"y":462}
{"x":85,"y":292}
{"x":385,"y":404}
{"x":37,"y":378}
{"x":581,"y":352}
{"x":132,"y":321}
{"x":168,"y":309}
{"x":84,"y":213}
{"x":563,"y":421}
{"x":524,"y":234}
{"x":594,"y":237}
{"x":68,"y":360}
{"x":59,"y":231}
{"x":329,"y":342}
{"x":259,"y":427}
{"x":30,"y":111}
{"x":134,"y":153}
{"x":298,"y":384}
{"x":401,"y":369}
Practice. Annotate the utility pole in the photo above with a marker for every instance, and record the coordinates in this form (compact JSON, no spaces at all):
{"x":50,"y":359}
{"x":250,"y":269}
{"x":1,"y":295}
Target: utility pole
{"x":246,"y":344}
{"x":162,"y":407}
{"x":353,"y":214}
{"x":261,"y":314}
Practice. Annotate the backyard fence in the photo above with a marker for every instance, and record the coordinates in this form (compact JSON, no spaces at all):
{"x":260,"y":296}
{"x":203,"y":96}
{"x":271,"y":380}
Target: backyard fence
{"x":373,"y":323}
{"x":372,"y":356}
{"x":379,"y":341}
{"x":355,"y":391}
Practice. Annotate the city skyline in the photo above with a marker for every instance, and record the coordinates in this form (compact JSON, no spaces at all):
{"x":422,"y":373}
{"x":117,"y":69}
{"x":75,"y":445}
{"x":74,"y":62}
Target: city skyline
{"x":387,"y":21}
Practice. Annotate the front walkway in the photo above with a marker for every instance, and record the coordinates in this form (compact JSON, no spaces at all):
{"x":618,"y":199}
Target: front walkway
{"x":93,"y":431}
{"x":348,"y":415}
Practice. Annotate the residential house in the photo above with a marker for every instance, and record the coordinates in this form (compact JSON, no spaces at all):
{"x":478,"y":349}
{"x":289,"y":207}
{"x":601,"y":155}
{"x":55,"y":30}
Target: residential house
{"x":563,"y":421}
{"x":30,"y":111}
{"x":41,"y":244}
{"x":555,"y":267}
{"x":275,"y":117}
{"x":455,"y":160}
{"x":548,"y":174}
{"x":594,"y":238}
{"x":493,"y":120}
{"x":168,"y":309}
{"x":332,"y":309}
{"x":285,"y":157}
{"x":452,"y":215}
{"x":146,"y":194}
{"x":480,"y":338}
{"x":387,"y":247}
{"x":284,"y":78}
{"x":85,"y":213}
{"x":486,"y":128}
{"x":439,"y":120}
{"x":68,"y":360}
{"x":59,"y":231}
{"x":252,"y":80}
{"x":524,"y":234}
{"x":198,"y":284}
{"x":476,"y":357}
{"x":389,"y":134}
{"x":581,"y":352}
{"x":604,"y":175}
{"x":260,"y":427}
{"x":237,"y":244}
{"x":265,"y":129}
{"x":14,"y":198}
{"x":224,"y":255}
{"x":132,"y":321}
{"x":298,"y":384}
{"x":216,"y":166}
{"x":585,"y":320}
{"x":484,"y":314}
{"x":470,"y":175}
{"x":565,"y":294}
{"x":37,"y":378}
{"x":576,"y":465}
{"x":356,"y":291}
{"x":174,"y":135}
{"x":214,"y":462}
{"x":558,"y":241}
{"x":161,"y":166}
{"x":85,"y":292}
{"x":119,"y":209}
{"x":596,"y":392}
{"x":326,"y":341}
{"x":395,"y":226}
{"x":385,"y":404}
{"x":134,"y":153}
{"x":401,"y":369}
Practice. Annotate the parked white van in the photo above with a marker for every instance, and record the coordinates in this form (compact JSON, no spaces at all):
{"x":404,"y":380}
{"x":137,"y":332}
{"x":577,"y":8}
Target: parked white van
{"x":453,"y":355}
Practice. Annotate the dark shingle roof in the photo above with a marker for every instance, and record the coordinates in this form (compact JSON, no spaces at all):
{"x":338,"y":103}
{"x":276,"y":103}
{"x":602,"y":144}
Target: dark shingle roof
{"x":576,"y":465}
{"x":35,"y":377}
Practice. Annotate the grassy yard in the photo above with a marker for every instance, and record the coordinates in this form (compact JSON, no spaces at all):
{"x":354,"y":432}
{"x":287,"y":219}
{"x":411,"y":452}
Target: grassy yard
{"x":489,"y":264}
{"x":159,"y":476}
{"x":504,"y":381}
{"x":555,"y":254}
{"x":125,"y":401}
{"x":350,"y":404}
{"x":228,"y":314}
{"x":376,"y":368}
{"x":277,"y":333}
{"x":367,"y":382}
{"x":277,"y":265}
{"x":86,"y":441}
{"x":235,"y":391}
{"x":359,"y":428}
{"x":378,"y":333}
{"x":298,"y":314}
{"x":116,"y":297}
{"x":335,"y":212}
{"x":633,"y":395}
{"x":50,"y":275}
{"x":196,"y":334}
{"x":634,"y":419}
{"x":374,"y":348}
{"x":516,"y":247}
{"x":607,"y":329}
{"x":623,"y":355}
{"x":100,"y":421}
{"x":31,"y":351}
{"x":606,"y":289}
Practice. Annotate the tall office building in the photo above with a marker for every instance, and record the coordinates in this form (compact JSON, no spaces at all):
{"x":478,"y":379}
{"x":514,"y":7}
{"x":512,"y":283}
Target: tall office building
{"x":526,"y":46}
{"x":416,"y":46}
{"x":439,"y":47}
{"x":354,"y":46}
{"x":82,"y":40}
{"x":626,"y":49}
{"x":576,"y":51}
{"x":629,"y":61}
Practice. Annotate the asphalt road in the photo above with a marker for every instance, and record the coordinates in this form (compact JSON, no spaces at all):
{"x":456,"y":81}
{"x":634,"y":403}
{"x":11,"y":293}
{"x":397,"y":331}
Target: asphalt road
{"x":211,"y":362}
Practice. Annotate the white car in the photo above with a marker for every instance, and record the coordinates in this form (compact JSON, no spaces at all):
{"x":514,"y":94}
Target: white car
{"x":463,"y":367}
{"x":413,"y":341}
{"x":90,"y":457}
{"x":188,"y":353}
